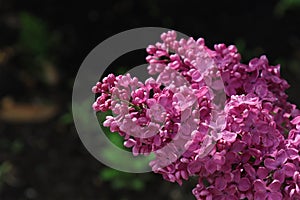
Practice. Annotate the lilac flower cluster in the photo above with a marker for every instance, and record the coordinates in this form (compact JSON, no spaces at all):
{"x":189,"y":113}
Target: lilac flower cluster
{"x":247,"y":148}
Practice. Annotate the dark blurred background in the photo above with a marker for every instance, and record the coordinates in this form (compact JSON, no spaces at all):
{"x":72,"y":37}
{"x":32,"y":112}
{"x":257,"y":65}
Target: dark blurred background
{"x":42,"y":45}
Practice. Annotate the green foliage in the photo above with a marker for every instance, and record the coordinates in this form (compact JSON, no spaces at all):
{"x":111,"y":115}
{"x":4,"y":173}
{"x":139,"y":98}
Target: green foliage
{"x":16,"y":146}
{"x":285,"y":5}
{"x":34,"y":36}
{"x":115,"y":138}
{"x":241,"y":45}
{"x":122,"y":180}
{"x":5,"y":172}
{"x":36,"y":45}
{"x":66,"y":118}
{"x":247,"y":53}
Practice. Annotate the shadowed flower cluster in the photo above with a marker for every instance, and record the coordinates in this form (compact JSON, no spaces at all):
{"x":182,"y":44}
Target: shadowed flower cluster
{"x":208,"y":115}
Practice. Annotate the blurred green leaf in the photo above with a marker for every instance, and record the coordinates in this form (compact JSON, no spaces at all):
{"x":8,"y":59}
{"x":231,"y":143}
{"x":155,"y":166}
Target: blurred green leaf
{"x":109,"y":174}
{"x":138,"y":184}
{"x":17,"y":146}
{"x":122,"y":180}
{"x":241,"y":45}
{"x":284,"y":5}
{"x":67,"y":118}
{"x":5,"y":170}
{"x":34,"y":36}
{"x":115,"y":138}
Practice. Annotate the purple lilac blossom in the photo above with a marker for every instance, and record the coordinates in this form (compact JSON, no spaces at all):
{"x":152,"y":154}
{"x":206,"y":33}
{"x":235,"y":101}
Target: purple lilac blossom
{"x":255,"y":152}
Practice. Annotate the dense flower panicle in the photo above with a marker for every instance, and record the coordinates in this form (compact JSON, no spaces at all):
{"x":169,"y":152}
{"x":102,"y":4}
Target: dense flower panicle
{"x":256,"y":157}
{"x":245,"y":149}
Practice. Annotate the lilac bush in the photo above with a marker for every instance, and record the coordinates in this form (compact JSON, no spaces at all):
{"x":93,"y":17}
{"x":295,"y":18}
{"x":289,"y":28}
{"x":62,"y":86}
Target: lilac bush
{"x":248,"y":149}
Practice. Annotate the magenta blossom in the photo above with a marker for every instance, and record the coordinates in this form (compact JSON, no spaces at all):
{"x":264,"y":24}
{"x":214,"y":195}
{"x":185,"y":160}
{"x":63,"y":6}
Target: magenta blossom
{"x":245,"y":148}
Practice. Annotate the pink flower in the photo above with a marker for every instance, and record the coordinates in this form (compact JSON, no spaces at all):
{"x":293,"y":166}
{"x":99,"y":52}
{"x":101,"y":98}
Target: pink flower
{"x":264,"y":192}
{"x":248,"y":150}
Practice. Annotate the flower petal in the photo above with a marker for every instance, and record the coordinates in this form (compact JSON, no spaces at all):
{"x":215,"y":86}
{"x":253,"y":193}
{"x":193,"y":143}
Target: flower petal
{"x":270,"y":163}
{"x":244,"y":184}
{"x":259,"y":185}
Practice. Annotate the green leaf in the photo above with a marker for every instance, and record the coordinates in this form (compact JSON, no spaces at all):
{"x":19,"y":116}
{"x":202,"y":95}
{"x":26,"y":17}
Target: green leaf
{"x":285,"y":5}
{"x":108,"y":174}
{"x":115,"y":138}
{"x":34,"y":37}
{"x":137,"y":184}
